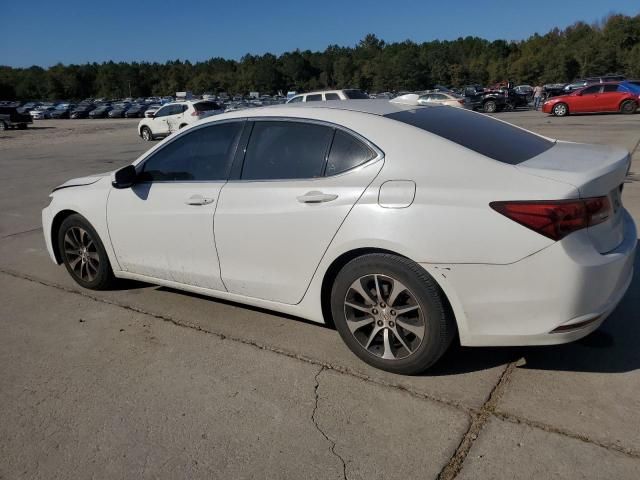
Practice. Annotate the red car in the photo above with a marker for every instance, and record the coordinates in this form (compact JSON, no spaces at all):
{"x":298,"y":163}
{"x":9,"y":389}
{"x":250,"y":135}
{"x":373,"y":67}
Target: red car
{"x":602,"y":97}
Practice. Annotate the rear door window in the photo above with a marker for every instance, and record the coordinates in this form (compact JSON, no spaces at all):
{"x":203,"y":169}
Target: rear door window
{"x":279,"y":150}
{"x":331,"y":96}
{"x":206,"y":106}
{"x":610,"y":88}
{"x":475,"y":131}
{"x":314,"y":98}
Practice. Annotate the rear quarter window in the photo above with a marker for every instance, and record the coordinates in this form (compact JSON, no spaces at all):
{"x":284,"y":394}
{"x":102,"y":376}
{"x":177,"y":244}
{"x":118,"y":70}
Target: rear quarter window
{"x":482,"y":134}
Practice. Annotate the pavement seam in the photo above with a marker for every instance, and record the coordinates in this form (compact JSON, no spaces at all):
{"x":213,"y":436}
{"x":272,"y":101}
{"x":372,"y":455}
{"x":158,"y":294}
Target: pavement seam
{"x":478,"y":421}
{"x":577,"y":436}
{"x":479,"y":416}
{"x":315,"y":423}
{"x":20,"y":233}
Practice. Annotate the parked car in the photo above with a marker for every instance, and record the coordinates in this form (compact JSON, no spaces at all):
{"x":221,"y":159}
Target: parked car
{"x":441,"y":98}
{"x":100,"y":112}
{"x":328,"y":215}
{"x":323,"y":96}
{"x":583,"y":82}
{"x":82,"y":111}
{"x":135,"y":111}
{"x":489,"y":101}
{"x":118,"y":111}
{"x":151,"y":110}
{"x":174,"y":116}
{"x":62,"y":111}
{"x":41,"y":113}
{"x":27,"y":107}
{"x":605,"y":97}
{"x":11,"y":117}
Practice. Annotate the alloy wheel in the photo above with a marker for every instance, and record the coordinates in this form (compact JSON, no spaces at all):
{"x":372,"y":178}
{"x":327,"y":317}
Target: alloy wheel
{"x":81,"y":253}
{"x":384,"y":317}
{"x":560,"y":109}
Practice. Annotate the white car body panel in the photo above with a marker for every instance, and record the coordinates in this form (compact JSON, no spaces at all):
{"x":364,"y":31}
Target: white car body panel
{"x":506,"y":284}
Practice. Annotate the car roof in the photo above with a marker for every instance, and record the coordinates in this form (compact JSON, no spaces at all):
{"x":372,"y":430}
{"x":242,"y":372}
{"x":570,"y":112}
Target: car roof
{"x":371,"y":106}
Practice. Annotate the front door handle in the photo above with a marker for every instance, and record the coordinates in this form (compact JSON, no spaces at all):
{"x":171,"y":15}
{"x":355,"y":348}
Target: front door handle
{"x":316,"y":197}
{"x":199,"y":200}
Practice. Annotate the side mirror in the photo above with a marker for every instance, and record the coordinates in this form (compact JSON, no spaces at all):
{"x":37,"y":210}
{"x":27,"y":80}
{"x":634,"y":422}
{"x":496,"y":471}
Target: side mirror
{"x":125,"y":177}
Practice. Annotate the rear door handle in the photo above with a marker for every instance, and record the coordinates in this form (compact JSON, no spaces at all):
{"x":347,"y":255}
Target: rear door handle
{"x":199,"y":200}
{"x":316,"y":197}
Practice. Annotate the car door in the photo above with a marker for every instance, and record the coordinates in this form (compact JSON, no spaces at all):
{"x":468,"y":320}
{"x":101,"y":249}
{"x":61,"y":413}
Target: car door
{"x":611,"y":97}
{"x":587,"y":101}
{"x":176,"y":117}
{"x":159,"y":125}
{"x":162,"y":227}
{"x":298,"y":182}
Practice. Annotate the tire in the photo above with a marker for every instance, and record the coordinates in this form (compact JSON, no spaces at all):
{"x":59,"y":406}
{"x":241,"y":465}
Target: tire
{"x":628,"y":107}
{"x":83,"y":254}
{"x":489,"y":106}
{"x":3,"y":126}
{"x":145,"y":133}
{"x":560,"y":110}
{"x":407,"y":337}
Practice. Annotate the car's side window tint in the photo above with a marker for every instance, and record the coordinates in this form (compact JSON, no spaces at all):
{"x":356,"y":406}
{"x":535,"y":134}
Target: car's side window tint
{"x":610,"y":88}
{"x":591,"y":90}
{"x":314,"y":98}
{"x":204,"y":154}
{"x":286,"y":150}
{"x":331,"y":96}
{"x":163,"y":111}
{"x":346,"y":153}
{"x":296,"y":99}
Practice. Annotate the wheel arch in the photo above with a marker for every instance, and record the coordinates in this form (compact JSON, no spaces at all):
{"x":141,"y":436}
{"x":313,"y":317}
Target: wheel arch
{"x":625,"y":100}
{"x":332,"y":271}
{"x":55,"y":226}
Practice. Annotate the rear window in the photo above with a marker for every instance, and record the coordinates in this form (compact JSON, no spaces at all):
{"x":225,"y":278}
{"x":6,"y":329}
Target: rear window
{"x":356,"y":95}
{"x":480,"y":133}
{"x":206,"y":106}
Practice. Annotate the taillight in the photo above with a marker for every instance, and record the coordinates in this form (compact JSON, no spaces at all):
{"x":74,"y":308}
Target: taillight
{"x":556,"y":219}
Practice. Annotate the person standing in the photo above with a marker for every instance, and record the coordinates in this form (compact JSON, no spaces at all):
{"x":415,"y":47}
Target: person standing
{"x":538,"y":91}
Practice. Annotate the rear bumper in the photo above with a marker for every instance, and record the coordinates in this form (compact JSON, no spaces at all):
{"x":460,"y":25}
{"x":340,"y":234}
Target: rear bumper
{"x":557,"y":295}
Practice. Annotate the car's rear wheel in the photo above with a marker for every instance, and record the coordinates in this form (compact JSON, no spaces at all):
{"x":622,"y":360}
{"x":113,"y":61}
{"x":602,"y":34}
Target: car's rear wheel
{"x":628,"y":107}
{"x":490,"y":106}
{"x":560,"y":109}
{"x":3,"y":126}
{"x":146,"y":134}
{"x":391,"y":313}
{"x":83,"y":254}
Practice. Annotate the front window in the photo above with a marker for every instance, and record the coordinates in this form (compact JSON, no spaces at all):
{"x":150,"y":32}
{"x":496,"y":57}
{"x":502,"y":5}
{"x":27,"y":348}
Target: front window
{"x":204,"y":154}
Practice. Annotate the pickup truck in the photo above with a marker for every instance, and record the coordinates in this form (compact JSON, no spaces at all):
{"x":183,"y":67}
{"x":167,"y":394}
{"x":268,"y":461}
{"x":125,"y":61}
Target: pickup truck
{"x":10,"y":118}
{"x":489,"y":101}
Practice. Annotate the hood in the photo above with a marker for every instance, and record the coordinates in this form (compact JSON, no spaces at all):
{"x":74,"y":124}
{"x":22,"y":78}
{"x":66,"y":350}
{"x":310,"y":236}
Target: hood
{"x":88,"y":180}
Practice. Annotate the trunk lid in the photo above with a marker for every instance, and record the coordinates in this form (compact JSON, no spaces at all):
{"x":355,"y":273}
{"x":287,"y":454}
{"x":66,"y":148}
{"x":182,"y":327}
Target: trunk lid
{"x":595,"y":171}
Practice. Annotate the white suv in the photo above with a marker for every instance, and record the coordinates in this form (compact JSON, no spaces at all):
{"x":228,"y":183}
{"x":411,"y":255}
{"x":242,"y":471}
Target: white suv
{"x":173,"y":116}
{"x":350,"y":94}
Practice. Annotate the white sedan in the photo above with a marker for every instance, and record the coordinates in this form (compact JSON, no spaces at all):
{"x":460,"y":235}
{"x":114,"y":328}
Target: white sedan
{"x":404,"y":226}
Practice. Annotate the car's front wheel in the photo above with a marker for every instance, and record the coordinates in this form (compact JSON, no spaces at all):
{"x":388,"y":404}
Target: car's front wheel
{"x":146,"y":134}
{"x":391,"y":313}
{"x":560,"y":110}
{"x":83,"y":254}
{"x":490,"y":106}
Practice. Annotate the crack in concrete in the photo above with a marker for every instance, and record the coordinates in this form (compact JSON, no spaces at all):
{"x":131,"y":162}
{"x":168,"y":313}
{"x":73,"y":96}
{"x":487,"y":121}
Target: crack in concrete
{"x":479,"y":416}
{"x":315,"y":423}
{"x":478,"y":421}
{"x":20,"y":233}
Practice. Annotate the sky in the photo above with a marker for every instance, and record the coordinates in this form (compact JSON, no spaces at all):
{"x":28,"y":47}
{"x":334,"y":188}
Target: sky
{"x":37,"y":32}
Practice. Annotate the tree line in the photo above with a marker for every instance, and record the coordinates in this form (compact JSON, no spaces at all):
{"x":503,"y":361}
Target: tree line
{"x":609,"y":46}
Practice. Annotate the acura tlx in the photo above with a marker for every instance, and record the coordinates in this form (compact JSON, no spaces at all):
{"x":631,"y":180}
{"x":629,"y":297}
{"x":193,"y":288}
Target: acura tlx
{"x":404,"y":226}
